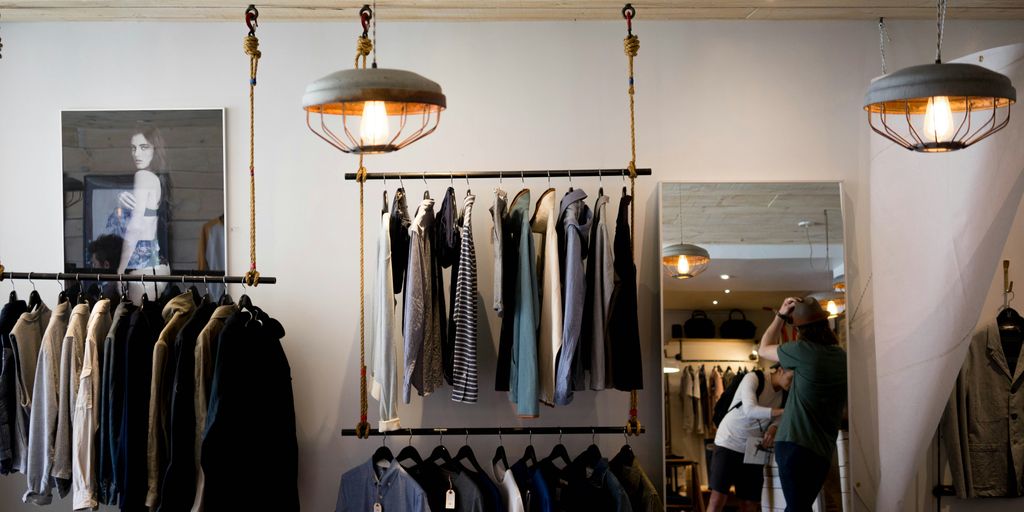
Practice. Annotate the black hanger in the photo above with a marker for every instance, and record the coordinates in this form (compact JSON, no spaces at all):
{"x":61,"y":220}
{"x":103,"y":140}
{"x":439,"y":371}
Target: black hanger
{"x":383,"y":454}
{"x":591,"y":455}
{"x":465,"y":454}
{"x":530,"y":455}
{"x":409,"y":453}
{"x":499,"y":453}
{"x":226,"y":300}
{"x":559,"y":452}
{"x":34,"y":300}
{"x":1009,"y":320}
{"x":14,"y":296}
{"x":62,"y":297}
{"x":625,"y":455}
{"x":440,"y":453}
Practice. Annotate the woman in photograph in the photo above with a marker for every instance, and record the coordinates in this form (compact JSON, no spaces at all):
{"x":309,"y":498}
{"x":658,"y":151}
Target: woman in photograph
{"x":141,"y":247}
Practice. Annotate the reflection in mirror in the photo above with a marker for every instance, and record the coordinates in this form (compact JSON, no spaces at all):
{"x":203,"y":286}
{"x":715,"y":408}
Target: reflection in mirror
{"x":732,"y":253}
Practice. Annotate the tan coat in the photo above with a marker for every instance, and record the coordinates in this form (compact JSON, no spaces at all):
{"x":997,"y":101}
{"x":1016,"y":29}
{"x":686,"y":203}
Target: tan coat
{"x":983,"y":425}
{"x":549,"y":341}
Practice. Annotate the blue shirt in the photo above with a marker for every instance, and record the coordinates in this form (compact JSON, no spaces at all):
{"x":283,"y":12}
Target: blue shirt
{"x":365,"y":485}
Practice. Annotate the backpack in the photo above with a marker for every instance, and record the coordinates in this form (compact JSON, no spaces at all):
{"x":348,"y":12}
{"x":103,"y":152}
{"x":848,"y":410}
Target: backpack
{"x":722,"y":406}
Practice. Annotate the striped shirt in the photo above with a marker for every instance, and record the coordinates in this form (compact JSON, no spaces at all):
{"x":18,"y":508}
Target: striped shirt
{"x":464,"y":381}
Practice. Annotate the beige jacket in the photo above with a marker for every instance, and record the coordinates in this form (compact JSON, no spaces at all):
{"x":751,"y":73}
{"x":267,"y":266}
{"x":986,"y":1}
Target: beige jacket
{"x":549,"y":341}
{"x":204,"y":380}
{"x":87,"y":411}
{"x":983,"y":425}
{"x":176,"y":314}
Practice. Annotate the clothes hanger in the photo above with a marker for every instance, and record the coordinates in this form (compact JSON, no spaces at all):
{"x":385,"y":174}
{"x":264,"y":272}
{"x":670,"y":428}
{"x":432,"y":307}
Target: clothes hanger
{"x":570,"y":180}
{"x":196,"y":298}
{"x":440,"y":453}
{"x":82,"y":297}
{"x":383,"y":456}
{"x":468,"y":192}
{"x":226,"y":300}
{"x":62,"y":297}
{"x":34,"y":300}
{"x":466,"y":454}
{"x":409,"y":453}
{"x":592,"y":454}
{"x":426,"y":193}
{"x":530,"y":455}
{"x":559,"y":452}
{"x":145,"y":294}
{"x":206,"y":290}
{"x":384,"y":207}
{"x":14,"y":294}
{"x":600,"y":182}
{"x":499,"y":453}
{"x":625,"y":455}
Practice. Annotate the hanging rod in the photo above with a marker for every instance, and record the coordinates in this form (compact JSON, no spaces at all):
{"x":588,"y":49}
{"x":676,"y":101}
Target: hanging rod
{"x":492,"y":431}
{"x":744,"y":361}
{"x":126,"y":278}
{"x":442,"y":175}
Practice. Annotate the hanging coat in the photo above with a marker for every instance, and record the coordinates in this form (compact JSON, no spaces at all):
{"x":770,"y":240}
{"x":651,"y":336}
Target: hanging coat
{"x":386,"y":333}
{"x":523,"y":366}
{"x":422,"y":329}
{"x":623,"y":328}
{"x":509,"y":285}
{"x":545,"y":218}
{"x":399,"y":223}
{"x":575,"y":217}
{"x":594,"y":345}
{"x":448,"y":246}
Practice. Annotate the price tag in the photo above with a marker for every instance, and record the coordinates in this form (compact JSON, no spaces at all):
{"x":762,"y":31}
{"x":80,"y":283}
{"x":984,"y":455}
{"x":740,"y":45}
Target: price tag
{"x":377,"y":507}
{"x":449,"y":500}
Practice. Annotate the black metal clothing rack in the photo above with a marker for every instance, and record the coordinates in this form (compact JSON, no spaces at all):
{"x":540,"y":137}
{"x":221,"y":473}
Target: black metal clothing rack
{"x":740,"y":361}
{"x":205,"y":278}
{"x":493,"y":431}
{"x":443,"y":175}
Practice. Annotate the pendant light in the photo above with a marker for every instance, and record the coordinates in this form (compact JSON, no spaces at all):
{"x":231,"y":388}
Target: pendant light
{"x":935,"y":108}
{"x":684,"y":261}
{"x":372,"y":110}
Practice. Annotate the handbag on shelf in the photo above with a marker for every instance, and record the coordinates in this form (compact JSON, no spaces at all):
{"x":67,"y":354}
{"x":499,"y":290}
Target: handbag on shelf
{"x":699,"y":326}
{"x":738,"y":328}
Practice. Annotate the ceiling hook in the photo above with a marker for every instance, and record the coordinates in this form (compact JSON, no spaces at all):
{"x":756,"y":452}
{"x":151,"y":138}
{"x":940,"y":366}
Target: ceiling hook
{"x":252,"y":19}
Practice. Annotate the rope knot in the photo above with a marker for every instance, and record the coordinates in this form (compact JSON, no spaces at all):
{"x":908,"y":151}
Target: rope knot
{"x":252,"y":278}
{"x":361,"y":174}
{"x":632,"y":170}
{"x":632,"y":45}
{"x":364,"y":46}
{"x":1,"y":271}
{"x":633,"y":427}
{"x":252,"y":47}
{"x":363,"y":430}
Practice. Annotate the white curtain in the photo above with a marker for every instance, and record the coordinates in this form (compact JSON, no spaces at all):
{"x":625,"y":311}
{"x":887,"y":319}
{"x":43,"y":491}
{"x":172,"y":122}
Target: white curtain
{"x":938,"y":226}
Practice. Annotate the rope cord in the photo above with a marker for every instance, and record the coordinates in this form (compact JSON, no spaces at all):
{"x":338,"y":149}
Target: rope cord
{"x":883,"y":36}
{"x":363,"y":48}
{"x":940,"y":22}
{"x":631,"y":45}
{"x":251,"y":46}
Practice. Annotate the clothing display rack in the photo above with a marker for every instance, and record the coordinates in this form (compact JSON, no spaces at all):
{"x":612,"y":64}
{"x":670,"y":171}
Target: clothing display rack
{"x":206,"y":278}
{"x":492,"y":431}
{"x":440,"y":175}
{"x":744,"y":361}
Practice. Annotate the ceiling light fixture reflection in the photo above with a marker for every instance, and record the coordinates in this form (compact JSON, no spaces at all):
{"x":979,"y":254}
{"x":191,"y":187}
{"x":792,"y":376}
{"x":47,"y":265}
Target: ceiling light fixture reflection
{"x":725,"y":277}
{"x":684,"y":261}
{"x":670,"y":369}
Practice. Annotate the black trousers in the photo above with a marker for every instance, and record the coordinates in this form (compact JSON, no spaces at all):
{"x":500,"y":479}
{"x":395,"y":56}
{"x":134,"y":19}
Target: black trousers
{"x":803,"y":473}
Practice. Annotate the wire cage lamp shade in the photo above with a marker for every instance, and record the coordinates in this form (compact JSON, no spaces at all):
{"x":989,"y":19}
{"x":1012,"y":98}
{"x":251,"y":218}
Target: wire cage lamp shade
{"x":684,"y":261}
{"x":937,"y":108}
{"x":373,"y":110}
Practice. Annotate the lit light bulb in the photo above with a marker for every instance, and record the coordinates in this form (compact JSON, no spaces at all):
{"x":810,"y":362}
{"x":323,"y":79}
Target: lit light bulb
{"x":833,"y":309}
{"x":373,"y":126}
{"x":670,"y":369}
{"x":728,"y":291}
{"x":683,"y":266}
{"x":938,"y":120}
{"x":714,"y":302}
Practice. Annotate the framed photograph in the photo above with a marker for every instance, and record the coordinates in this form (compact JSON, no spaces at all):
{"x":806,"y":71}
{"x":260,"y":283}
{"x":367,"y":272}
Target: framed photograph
{"x":143,"y":193}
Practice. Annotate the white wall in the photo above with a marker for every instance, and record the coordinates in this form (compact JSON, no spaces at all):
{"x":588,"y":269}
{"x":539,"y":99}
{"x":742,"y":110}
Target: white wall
{"x":717,"y":101}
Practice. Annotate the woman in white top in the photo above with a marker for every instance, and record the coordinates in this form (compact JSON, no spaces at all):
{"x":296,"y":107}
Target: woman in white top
{"x":750,"y":415}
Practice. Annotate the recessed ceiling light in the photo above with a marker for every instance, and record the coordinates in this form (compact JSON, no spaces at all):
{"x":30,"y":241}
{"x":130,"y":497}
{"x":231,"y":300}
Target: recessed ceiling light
{"x":725,"y":276}
{"x":670,"y":369}
{"x":714,"y":302}
{"x":728,"y":291}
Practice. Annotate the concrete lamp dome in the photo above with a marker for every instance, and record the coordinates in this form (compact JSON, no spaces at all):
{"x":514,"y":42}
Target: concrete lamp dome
{"x":937,"y":108}
{"x":372,"y":110}
{"x":684,"y":261}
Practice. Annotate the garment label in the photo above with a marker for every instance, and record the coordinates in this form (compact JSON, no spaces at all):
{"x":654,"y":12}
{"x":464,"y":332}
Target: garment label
{"x":755,"y":454}
{"x":449,"y":500}
{"x":377,"y":507}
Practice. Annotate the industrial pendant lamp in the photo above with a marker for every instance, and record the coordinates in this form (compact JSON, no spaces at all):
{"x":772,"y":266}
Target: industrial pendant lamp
{"x":935,"y":108}
{"x":372,"y":110}
{"x":684,"y":261}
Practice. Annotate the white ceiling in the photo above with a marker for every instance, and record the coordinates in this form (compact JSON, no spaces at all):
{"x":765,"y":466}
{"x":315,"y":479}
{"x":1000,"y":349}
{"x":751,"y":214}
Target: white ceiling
{"x":504,"y":10}
{"x":751,"y":233}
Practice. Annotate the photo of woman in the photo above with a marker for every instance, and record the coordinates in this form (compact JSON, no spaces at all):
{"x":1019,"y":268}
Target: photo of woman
{"x":152,"y":180}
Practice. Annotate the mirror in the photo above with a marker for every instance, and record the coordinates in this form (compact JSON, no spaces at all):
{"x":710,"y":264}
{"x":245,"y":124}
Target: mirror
{"x":731,"y":254}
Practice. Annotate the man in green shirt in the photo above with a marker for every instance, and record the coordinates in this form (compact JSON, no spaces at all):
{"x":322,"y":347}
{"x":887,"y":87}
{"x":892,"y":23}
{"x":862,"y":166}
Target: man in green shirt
{"x":817,"y":399}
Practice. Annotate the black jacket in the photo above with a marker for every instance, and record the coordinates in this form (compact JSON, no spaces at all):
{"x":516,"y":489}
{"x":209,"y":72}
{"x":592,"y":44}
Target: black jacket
{"x":133,"y":480}
{"x":623,"y":327}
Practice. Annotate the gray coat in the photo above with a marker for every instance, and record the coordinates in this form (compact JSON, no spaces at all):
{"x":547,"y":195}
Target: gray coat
{"x":983,"y":425}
